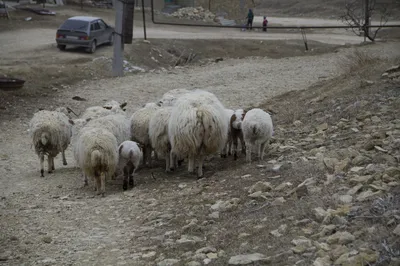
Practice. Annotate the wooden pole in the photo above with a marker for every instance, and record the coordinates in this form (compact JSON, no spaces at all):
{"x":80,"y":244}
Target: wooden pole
{"x":117,"y":67}
{"x":144,"y":21}
{"x":366,"y":24}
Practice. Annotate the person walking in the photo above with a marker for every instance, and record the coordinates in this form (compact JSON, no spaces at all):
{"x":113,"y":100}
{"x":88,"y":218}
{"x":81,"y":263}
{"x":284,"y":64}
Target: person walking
{"x":265,"y":23}
{"x":250,"y":17}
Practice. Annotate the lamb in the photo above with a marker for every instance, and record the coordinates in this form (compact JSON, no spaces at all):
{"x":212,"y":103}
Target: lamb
{"x":169,"y":98}
{"x":96,"y":151}
{"x":197,"y":127}
{"x":158,"y":134}
{"x":236,"y":131}
{"x":257,"y":130}
{"x":228,"y":146}
{"x":129,"y":159}
{"x":51,"y":134}
{"x":140,"y":129}
{"x":110,"y":107}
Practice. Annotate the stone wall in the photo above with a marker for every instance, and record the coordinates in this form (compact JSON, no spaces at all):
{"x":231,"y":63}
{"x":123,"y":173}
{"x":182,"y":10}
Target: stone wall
{"x":234,"y":9}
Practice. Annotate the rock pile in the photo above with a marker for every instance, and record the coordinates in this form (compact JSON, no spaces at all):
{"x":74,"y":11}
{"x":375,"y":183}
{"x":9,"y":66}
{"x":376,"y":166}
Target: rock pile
{"x":194,"y":13}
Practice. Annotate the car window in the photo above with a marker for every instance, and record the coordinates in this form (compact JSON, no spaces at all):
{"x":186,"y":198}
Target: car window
{"x":94,"y":26}
{"x":102,"y":24}
{"x":71,"y":24}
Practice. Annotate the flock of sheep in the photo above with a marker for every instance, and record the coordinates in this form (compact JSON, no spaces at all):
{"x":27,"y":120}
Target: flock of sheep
{"x":182,"y":125}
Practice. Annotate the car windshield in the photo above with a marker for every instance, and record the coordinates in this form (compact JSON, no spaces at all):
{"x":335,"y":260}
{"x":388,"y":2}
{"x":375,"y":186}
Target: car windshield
{"x":71,"y":24}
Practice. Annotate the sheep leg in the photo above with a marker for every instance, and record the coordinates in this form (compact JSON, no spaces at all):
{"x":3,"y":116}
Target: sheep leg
{"x":52,"y":164}
{"x":63,"y":158}
{"x":41,"y":165}
{"x":150,"y":161}
{"x":235,"y":148}
{"x":131,"y":173}
{"x":191,"y":164}
{"x":103,"y":184}
{"x":248,"y":152}
{"x":49,"y":164}
{"x":168,"y":163}
{"x":172,"y":160}
{"x":200,"y":170}
{"x":126,"y":174}
{"x":223,"y":152}
{"x":85,"y":180}
{"x":144,"y":155}
{"x":230,"y":146}
{"x":242,"y":143}
{"x":262,"y":149}
{"x":98,"y":183}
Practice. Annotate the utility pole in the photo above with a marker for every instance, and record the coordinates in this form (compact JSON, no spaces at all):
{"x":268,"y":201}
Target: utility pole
{"x":117,"y":65}
{"x":367,"y":22}
{"x":144,"y":21}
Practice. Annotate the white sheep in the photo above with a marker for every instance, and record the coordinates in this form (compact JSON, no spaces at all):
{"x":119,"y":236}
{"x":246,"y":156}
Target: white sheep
{"x":158,"y":134}
{"x":51,"y":134}
{"x":169,"y":98}
{"x":130,"y":156}
{"x":140,"y":129}
{"x":226,"y":151}
{"x":110,"y":107}
{"x":118,"y":124}
{"x":96,"y":151}
{"x":197,"y":127}
{"x":236,"y":131}
{"x":257,"y":130}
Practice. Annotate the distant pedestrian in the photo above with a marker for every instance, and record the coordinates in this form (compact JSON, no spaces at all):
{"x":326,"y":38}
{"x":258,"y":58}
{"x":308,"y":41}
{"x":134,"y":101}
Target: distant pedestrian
{"x":265,"y":23}
{"x":250,"y":17}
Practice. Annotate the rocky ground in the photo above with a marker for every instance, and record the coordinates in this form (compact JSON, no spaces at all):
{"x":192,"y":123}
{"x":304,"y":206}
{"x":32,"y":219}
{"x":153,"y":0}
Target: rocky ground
{"x":328,"y":193}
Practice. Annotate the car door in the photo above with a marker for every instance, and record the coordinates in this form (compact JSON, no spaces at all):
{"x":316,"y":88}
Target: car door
{"x":103,"y":31}
{"x":95,"y":32}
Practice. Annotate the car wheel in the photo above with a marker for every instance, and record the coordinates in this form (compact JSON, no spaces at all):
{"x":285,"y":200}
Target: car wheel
{"x":61,"y":47}
{"x":92,"y":47}
{"x":111,"y":40}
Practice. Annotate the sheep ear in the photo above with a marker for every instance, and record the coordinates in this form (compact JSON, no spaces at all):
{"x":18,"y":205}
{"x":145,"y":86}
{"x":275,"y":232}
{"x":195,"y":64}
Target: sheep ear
{"x":71,"y":121}
{"x":120,"y":149}
{"x":107,"y":107}
{"x":123,"y":105}
{"x":88,"y":119}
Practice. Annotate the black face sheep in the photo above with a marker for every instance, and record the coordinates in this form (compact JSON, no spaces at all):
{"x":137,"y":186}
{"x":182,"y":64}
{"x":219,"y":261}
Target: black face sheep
{"x":130,"y":156}
{"x":51,"y":134}
{"x":197,"y":127}
{"x":257,"y":130}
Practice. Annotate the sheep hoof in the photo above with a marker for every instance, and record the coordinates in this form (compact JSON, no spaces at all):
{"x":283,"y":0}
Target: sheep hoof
{"x":131,"y":183}
{"x":85,"y":184}
{"x":103,"y":194}
{"x":50,"y":171}
{"x":223,"y":156}
{"x":65,"y":163}
{"x":42,"y":173}
{"x":235,"y":157}
{"x":229,"y":153}
{"x":53,"y":168}
{"x":171,"y":169}
{"x":200,"y":177}
{"x":180,"y":162}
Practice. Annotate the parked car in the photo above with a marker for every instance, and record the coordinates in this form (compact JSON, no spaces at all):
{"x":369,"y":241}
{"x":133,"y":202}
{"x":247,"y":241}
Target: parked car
{"x":84,"y":31}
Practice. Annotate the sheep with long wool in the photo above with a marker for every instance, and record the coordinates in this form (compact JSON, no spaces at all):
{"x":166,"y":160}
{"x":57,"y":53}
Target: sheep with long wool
{"x":169,"y":98}
{"x":140,"y":129}
{"x":197,"y":127}
{"x":96,"y":152}
{"x":158,"y":134}
{"x":257,"y":129}
{"x":51,"y":134}
{"x":110,"y":107}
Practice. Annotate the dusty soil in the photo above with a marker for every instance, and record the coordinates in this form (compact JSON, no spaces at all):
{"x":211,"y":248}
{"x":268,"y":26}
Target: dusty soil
{"x":336,"y":127}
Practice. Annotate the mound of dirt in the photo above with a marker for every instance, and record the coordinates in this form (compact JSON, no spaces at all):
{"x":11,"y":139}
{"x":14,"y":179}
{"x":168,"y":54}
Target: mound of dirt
{"x":194,"y":13}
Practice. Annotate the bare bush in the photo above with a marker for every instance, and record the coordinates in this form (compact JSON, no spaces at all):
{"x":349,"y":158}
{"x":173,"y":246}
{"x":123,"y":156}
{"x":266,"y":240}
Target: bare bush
{"x":358,"y":13}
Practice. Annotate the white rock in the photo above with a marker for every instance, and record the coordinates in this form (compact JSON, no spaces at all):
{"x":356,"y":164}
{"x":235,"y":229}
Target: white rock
{"x":247,"y":259}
